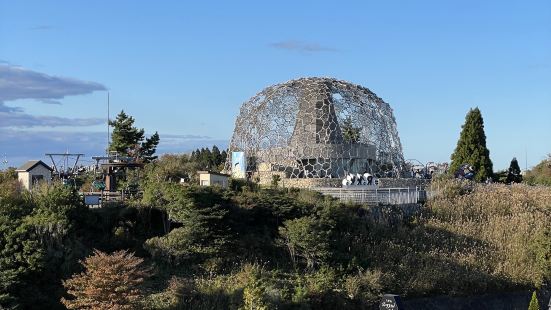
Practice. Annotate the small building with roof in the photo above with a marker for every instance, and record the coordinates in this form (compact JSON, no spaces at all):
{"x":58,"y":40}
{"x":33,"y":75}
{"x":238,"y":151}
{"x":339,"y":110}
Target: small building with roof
{"x":33,"y":172}
{"x":210,"y":178}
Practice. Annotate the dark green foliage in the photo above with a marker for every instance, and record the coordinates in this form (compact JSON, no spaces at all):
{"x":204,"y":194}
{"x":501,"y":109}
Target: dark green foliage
{"x":148,"y":148}
{"x":471,"y":147}
{"x":125,"y":136}
{"x":130,"y":141}
{"x":275,"y":180}
{"x":307,"y":238}
{"x":350,"y":133}
{"x":199,"y":214}
{"x":534,"y":304}
{"x":209,"y":160}
{"x":39,"y":245}
{"x":513,"y":174}
{"x":253,"y":247}
{"x":500,"y":176}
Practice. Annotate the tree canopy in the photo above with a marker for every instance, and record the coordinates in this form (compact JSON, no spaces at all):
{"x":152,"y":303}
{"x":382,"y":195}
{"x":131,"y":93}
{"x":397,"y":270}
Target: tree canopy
{"x":471,"y":147}
{"x":513,"y":174}
{"x":129,"y":140}
{"x":207,"y":159}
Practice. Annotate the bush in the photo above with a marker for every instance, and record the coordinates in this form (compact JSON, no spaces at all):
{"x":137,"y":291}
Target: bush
{"x":306,"y":238}
{"x":534,"y":304}
{"x":109,"y":282}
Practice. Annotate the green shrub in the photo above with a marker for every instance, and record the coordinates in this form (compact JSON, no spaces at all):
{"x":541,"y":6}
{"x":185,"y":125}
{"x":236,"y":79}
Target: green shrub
{"x":534,"y":304}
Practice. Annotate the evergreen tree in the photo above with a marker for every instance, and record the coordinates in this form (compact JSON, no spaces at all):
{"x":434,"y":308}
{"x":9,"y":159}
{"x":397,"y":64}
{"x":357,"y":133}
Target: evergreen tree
{"x":350,"y":133}
{"x":216,"y":156}
{"x":471,"y":148}
{"x":125,"y":136}
{"x":513,"y":174}
{"x":149,"y":147}
{"x":534,"y":305}
{"x":129,"y":140}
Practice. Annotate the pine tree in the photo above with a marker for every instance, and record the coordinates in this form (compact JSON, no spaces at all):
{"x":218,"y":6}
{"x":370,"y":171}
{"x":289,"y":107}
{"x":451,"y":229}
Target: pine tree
{"x":109,"y":282}
{"x":223,"y":156}
{"x":149,"y":147}
{"x":216,"y":156}
{"x":130,"y":141}
{"x":125,"y":136}
{"x":513,"y":174}
{"x":534,"y":305}
{"x":471,"y":148}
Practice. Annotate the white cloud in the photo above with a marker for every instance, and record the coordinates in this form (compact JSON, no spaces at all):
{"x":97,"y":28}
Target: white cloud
{"x":20,"y":83}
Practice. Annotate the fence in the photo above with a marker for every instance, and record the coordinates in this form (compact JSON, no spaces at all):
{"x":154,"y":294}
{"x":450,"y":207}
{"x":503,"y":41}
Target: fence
{"x":376,"y":196}
{"x":97,"y":199}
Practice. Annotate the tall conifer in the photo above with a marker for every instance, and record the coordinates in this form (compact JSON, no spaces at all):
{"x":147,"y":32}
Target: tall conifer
{"x":471,"y":148}
{"x":513,"y":175}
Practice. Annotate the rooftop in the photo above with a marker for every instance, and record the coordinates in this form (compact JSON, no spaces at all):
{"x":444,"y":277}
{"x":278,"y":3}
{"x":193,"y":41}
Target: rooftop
{"x":28,"y":166}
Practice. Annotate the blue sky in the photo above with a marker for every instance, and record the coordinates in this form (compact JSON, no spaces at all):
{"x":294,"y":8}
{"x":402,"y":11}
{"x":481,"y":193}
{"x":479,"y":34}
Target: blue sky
{"x":184,"y":68}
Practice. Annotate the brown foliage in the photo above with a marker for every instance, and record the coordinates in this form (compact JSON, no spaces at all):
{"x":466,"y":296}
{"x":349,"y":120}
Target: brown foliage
{"x":511,"y":223}
{"x":110,"y":281}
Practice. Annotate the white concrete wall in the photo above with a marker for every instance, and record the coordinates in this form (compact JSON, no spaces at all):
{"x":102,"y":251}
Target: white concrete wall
{"x":24,"y":177}
{"x":204,"y":179}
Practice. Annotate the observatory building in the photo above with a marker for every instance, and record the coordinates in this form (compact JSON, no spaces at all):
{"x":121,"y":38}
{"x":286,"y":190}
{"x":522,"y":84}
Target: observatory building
{"x":311,"y":130}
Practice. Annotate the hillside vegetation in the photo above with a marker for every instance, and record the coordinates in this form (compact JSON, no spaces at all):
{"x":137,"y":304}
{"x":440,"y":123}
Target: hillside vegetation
{"x":252,"y":248}
{"x":540,"y":174}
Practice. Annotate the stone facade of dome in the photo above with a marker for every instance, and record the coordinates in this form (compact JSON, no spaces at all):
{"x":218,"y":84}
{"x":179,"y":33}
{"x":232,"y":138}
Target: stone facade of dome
{"x":316,"y":128}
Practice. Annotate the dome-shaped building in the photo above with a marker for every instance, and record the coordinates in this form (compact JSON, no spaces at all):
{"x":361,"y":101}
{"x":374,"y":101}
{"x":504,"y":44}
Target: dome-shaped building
{"x":315,"y":128}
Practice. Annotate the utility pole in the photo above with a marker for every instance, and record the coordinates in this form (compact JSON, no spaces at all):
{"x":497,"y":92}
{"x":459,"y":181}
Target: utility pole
{"x":108,"y":133}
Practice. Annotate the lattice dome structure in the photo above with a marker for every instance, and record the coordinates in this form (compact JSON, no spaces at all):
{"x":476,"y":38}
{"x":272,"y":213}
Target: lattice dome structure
{"x":316,"y":128}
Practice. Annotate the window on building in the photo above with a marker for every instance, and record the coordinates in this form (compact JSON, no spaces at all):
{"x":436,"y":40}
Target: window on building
{"x":36,"y":179}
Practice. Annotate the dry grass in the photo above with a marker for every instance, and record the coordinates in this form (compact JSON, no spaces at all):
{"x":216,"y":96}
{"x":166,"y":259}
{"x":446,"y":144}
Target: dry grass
{"x":510,"y":229}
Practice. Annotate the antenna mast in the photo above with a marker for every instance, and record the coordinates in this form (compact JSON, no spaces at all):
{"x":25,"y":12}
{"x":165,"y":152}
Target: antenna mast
{"x":108,"y":133}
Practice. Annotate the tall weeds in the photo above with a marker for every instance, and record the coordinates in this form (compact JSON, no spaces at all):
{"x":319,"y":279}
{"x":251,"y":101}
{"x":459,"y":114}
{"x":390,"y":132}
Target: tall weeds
{"x":509,"y":228}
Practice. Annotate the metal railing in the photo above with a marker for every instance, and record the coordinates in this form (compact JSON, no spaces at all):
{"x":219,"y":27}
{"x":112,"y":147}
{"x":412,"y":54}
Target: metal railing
{"x":376,"y":196}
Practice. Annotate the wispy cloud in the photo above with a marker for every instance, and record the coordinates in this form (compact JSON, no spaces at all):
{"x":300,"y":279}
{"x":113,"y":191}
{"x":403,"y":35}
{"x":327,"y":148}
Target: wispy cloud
{"x":6,"y":109}
{"x":301,"y":46}
{"x":20,"y":83}
{"x":12,"y":118}
{"x":50,"y":101}
{"x":22,"y":145}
